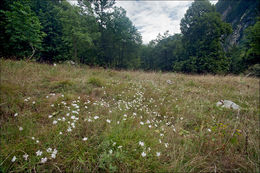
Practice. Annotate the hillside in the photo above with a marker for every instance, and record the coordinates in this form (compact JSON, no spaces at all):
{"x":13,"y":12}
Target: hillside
{"x":74,"y":118}
{"x":240,"y":14}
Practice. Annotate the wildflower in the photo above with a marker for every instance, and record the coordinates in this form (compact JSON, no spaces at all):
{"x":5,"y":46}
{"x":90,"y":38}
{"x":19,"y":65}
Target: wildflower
{"x":25,"y":156}
{"x":54,"y":122}
{"x":63,"y":118}
{"x":16,"y":114}
{"x":20,"y":128}
{"x":158,"y":154}
{"x":52,"y":105}
{"x":141,"y":143}
{"x":148,"y":122}
{"x":142,"y":123}
{"x":49,"y":150}
{"x":60,"y":133}
{"x":149,"y":149}
{"x":110,"y":151}
{"x":13,"y":159}
{"x":54,"y":65}
{"x":37,"y":141}
{"x":86,"y":107}
{"x":181,"y":118}
{"x":68,"y":114}
{"x":125,"y":115}
{"x":62,"y":95}
{"x":69,"y":129}
{"x":160,"y":141}
{"x":33,"y":102}
{"x":73,"y":117}
{"x":143,"y":154}
{"x":118,"y":122}
{"x":50,"y":116}
{"x":166,"y":145}
{"x":209,"y":130}
{"x":43,"y":160}
{"x":47,"y":97}
{"x":33,"y":138}
{"x":53,"y":155}
{"x":150,"y":126}
{"x":39,"y":153}
{"x":26,"y":100}
{"x":55,"y":151}
{"x":108,"y":121}
{"x":96,"y":117}
{"x":119,"y":146}
{"x":85,"y":138}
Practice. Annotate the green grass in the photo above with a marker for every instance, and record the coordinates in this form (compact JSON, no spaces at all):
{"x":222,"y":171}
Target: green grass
{"x":180,"y":120}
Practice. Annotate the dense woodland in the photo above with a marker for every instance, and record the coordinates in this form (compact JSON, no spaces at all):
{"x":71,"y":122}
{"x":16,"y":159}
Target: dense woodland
{"x":97,"y":33}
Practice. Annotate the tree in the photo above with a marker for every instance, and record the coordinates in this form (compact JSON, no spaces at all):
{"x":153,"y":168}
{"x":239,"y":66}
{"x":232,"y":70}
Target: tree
{"x":23,"y":29}
{"x":203,"y":33}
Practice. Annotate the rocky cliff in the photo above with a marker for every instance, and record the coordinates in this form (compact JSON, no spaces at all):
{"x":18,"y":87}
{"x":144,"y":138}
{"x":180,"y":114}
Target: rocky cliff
{"x":240,"y":14}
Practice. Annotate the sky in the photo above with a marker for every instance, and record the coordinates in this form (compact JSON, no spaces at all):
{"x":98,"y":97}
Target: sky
{"x":154,"y":17}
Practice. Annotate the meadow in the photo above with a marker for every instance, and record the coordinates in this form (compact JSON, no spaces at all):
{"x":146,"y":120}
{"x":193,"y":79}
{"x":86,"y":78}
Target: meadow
{"x":68,"y":118}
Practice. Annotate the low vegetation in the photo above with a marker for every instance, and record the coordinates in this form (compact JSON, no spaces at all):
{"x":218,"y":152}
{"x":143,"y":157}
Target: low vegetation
{"x":79,"y":119}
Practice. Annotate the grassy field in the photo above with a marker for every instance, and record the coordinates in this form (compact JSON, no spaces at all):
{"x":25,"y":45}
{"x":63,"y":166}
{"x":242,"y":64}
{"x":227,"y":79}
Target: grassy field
{"x":65,"y":118}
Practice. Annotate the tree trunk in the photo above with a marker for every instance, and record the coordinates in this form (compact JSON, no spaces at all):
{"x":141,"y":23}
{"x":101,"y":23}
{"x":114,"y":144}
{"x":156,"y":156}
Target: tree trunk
{"x":33,"y":52}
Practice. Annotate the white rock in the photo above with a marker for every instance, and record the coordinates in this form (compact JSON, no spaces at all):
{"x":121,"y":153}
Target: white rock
{"x":228,"y":104}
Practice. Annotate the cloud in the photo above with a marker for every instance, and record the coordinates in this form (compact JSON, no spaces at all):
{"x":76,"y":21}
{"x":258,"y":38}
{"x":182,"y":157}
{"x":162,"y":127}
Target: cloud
{"x":154,"y":17}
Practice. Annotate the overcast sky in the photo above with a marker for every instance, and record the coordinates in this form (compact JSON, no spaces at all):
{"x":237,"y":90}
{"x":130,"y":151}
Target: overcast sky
{"x":153,"y":17}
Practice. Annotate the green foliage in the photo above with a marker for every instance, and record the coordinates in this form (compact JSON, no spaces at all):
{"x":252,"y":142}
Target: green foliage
{"x":23,"y":29}
{"x":95,"y":81}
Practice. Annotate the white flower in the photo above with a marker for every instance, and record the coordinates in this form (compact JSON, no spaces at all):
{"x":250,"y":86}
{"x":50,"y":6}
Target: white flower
{"x":54,"y":65}
{"x":52,"y":105}
{"x":96,"y":117}
{"x":161,"y":134}
{"x":37,"y":141}
{"x":49,"y":150}
{"x":143,"y":154}
{"x":141,"y":143}
{"x":54,"y":122}
{"x":209,"y":130}
{"x":33,"y":102}
{"x":142,"y":123}
{"x":13,"y":159}
{"x":125,"y":115}
{"x":108,"y":121}
{"x":39,"y":153}
{"x":86,"y":107}
{"x":33,"y":138}
{"x":62,"y":95}
{"x":53,"y":155}
{"x":63,"y":118}
{"x":25,"y":100}
{"x":85,"y":138}
{"x":20,"y":128}
{"x":118,"y":122}
{"x":158,"y":154}
{"x":181,"y":118}
{"x":16,"y":114}
{"x":73,"y":117}
{"x":25,"y":156}
{"x":55,"y":151}
{"x":50,"y":116}
{"x":150,"y":126}
{"x":166,"y":145}
{"x":110,"y":151}
{"x":149,"y":149}
{"x":68,"y":114}
{"x":60,"y":133}
{"x":43,"y":160}
{"x":69,"y":129}
{"x":148,"y":122}
{"x":47,"y":97}
{"x":119,"y":146}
